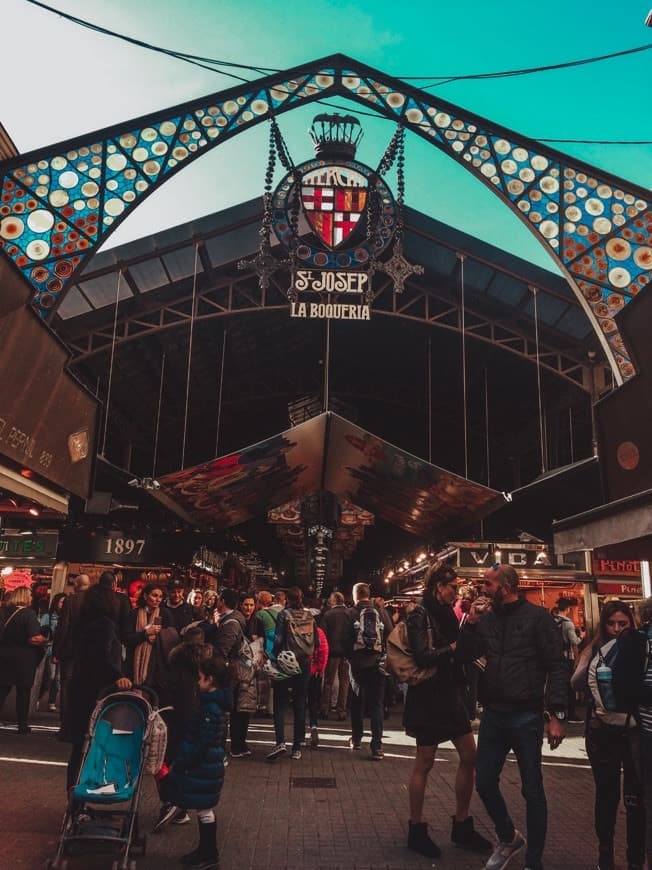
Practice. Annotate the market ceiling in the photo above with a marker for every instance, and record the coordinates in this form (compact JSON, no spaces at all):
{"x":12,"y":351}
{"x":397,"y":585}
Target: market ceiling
{"x":257,"y":370}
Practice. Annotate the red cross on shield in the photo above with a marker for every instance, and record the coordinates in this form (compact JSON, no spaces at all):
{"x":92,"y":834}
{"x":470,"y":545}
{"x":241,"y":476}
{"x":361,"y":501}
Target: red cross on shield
{"x":333,"y":198}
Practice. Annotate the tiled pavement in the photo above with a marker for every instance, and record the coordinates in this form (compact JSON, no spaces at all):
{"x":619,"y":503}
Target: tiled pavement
{"x":265,"y":822}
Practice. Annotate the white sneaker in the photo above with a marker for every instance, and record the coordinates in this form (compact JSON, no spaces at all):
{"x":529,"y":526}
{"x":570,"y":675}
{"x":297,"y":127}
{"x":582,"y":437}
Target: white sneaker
{"x":504,"y":852}
{"x":296,"y":755}
{"x":279,"y":749}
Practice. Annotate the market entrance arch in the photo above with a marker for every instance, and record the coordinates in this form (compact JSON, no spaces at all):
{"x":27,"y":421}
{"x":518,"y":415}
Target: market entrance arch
{"x":61,"y":202}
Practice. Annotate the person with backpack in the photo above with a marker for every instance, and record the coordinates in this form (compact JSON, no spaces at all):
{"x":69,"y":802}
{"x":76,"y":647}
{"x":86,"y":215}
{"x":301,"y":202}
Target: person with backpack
{"x":435,"y":712}
{"x":228,"y":639}
{"x":369,"y":628}
{"x":608,"y":741}
{"x":570,"y":642}
{"x":632,"y":683}
{"x":294,"y":644}
{"x":267,"y":614}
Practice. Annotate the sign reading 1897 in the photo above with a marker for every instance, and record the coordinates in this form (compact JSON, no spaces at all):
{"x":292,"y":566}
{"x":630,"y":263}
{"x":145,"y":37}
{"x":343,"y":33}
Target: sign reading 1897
{"x":123,"y":546}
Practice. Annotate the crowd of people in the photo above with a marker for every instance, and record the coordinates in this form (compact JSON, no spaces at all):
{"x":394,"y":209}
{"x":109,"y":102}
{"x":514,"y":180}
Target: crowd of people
{"x":217,"y":660}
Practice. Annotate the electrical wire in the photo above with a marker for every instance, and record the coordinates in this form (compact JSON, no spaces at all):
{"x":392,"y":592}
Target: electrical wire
{"x":204,"y":63}
{"x":362,"y":113}
{"x":196,"y":60}
{"x":444,"y":80}
{"x":440,"y":79}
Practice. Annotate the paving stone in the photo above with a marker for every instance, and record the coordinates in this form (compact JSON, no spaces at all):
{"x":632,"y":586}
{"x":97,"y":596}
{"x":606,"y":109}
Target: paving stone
{"x":266,"y":824}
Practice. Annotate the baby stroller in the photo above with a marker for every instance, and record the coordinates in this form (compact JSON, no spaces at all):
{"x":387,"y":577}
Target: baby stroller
{"x":127,"y":738}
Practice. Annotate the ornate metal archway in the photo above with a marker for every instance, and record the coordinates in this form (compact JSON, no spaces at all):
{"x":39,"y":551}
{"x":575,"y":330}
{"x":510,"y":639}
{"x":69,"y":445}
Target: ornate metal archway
{"x":59,"y":203}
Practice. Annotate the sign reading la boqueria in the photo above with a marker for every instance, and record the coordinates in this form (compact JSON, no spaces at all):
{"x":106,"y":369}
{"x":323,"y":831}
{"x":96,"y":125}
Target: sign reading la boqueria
{"x":352,"y":218}
{"x":334,"y":284}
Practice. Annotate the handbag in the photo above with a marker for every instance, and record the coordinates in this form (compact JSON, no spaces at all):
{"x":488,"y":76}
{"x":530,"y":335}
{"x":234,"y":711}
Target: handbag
{"x":400,"y":659}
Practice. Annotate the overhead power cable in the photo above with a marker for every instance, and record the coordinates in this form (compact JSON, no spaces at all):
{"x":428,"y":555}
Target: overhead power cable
{"x":214,"y":64}
{"x":199,"y":60}
{"x":361,"y":112}
{"x":196,"y":60}
{"x":444,"y":80}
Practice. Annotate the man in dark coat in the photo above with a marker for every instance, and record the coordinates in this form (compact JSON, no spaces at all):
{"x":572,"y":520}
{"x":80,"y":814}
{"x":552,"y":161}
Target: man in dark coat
{"x":336,"y":625}
{"x":63,"y":643}
{"x":524,"y":662}
{"x":181,"y":612}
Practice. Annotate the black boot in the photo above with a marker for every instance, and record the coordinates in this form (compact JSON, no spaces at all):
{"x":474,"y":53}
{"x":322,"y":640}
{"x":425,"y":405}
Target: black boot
{"x":419,"y":841}
{"x":208,"y":857}
{"x":463,"y":834}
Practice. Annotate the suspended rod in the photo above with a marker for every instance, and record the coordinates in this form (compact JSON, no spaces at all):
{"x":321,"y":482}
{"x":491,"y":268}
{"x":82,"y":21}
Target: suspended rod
{"x":464,"y":397}
{"x":541,"y":426}
{"x":430,"y":400}
{"x":158,"y":416}
{"x":108,"y":389}
{"x":327,"y":365}
{"x":219,"y":397}
{"x":192,"y":330}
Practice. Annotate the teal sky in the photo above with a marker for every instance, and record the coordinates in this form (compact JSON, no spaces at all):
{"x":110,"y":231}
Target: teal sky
{"x":61,"y":80}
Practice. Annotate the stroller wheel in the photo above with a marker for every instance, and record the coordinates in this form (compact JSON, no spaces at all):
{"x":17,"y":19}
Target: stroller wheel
{"x":141,"y":844}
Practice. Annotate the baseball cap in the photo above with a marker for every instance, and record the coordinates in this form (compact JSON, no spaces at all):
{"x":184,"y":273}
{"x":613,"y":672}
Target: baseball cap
{"x":176,"y":583}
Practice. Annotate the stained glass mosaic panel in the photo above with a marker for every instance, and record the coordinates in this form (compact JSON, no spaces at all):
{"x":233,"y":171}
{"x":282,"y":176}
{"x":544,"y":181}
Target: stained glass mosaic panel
{"x":57,"y":205}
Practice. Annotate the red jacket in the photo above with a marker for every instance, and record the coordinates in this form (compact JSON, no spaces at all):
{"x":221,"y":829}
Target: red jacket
{"x":320,"y":655}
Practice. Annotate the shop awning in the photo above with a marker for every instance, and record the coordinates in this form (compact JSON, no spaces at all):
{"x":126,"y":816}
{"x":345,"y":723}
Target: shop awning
{"x":621,"y":528}
{"x":332,"y":454}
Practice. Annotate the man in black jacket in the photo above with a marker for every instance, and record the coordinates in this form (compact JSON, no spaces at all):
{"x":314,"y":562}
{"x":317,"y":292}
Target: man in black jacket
{"x":181,"y":613}
{"x":336,"y":625}
{"x":523,"y":651}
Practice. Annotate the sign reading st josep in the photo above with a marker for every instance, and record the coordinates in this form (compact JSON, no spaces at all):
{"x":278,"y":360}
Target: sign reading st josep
{"x":352,"y":216}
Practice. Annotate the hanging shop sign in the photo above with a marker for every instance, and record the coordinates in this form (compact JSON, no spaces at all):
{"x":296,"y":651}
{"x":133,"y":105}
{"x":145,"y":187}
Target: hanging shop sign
{"x":622,"y":567}
{"x":21,"y":548}
{"x":208,"y":560}
{"x":610,"y":588}
{"x":352,"y":218}
{"x":518,"y":556}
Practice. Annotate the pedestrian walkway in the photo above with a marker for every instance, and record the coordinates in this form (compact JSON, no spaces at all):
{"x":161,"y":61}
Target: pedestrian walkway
{"x":332,"y":810}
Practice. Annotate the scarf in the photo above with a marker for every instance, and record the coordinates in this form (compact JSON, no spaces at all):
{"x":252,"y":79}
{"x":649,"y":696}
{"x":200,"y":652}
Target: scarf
{"x":143,"y":651}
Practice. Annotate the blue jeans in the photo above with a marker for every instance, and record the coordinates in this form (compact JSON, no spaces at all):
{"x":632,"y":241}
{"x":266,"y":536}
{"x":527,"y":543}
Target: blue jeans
{"x":368,"y":696}
{"x":522,"y":733}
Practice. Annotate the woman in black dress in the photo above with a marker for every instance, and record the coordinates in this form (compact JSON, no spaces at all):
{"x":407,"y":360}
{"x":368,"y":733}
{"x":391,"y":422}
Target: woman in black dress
{"x":21,"y":650}
{"x":435,"y":711}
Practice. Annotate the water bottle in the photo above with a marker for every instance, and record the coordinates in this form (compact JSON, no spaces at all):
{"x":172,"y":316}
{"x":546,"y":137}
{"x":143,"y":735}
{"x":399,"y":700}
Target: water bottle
{"x":604,"y":676}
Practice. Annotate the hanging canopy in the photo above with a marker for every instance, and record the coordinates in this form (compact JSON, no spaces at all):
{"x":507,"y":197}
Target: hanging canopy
{"x":332,"y":454}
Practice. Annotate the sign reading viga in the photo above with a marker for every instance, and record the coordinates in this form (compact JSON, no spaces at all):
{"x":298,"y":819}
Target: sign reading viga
{"x":339,"y":287}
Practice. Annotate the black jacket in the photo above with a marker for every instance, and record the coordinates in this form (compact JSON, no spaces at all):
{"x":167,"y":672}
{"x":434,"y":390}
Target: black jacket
{"x":434,"y":703}
{"x":629,"y":670}
{"x":181,"y":615}
{"x":337,"y":626}
{"x":525,"y":660}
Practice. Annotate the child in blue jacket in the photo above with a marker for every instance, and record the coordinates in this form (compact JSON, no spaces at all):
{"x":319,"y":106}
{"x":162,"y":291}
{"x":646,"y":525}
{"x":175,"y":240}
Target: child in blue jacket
{"x":197,"y":772}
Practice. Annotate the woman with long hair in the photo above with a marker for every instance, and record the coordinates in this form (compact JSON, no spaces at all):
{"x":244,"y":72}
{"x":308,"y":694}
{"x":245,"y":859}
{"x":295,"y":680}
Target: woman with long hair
{"x":149,"y":641}
{"x":435,"y":711}
{"x":21,"y":649}
{"x":608,"y":741}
